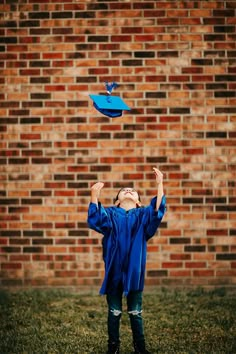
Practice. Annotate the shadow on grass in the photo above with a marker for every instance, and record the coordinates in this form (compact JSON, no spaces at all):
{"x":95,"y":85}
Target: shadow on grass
{"x":53,"y":321}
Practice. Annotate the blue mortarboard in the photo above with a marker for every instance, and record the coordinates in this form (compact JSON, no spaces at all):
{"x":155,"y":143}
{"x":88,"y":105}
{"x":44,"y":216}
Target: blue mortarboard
{"x":110,"y":106}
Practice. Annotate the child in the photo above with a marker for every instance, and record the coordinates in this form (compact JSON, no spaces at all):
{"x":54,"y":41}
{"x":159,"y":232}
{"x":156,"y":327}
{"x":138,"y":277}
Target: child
{"x":126,"y":228}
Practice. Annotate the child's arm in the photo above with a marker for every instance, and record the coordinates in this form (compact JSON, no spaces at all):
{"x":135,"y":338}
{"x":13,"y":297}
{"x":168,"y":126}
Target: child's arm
{"x":98,"y":217}
{"x":160,"y":192}
{"x":155,"y":212}
{"x":95,"y":192}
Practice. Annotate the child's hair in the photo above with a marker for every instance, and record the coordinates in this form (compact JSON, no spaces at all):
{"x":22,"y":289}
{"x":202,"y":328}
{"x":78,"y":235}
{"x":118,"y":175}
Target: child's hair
{"x":117,"y":197}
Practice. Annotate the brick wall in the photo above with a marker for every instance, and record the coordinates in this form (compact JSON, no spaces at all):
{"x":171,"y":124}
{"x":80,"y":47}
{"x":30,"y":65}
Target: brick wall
{"x":175,"y":62}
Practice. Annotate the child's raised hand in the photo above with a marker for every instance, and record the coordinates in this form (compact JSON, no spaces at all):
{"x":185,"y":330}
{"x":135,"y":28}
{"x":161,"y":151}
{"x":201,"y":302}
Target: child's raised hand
{"x":159,"y":175}
{"x":96,"y":189}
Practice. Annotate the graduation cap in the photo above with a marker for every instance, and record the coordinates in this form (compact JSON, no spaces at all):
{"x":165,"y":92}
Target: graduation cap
{"x":110,"y":106}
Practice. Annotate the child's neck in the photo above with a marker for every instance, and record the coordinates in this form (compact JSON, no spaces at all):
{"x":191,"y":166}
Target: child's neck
{"x":127,"y":204}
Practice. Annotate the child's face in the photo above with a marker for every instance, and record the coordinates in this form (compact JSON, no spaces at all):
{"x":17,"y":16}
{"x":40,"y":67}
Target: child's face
{"x":128,"y":193}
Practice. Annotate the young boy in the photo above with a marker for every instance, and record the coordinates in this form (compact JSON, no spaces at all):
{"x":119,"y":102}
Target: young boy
{"x":126,"y":228}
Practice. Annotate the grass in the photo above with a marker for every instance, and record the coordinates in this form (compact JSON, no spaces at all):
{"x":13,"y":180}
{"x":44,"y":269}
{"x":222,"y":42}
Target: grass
{"x":176,"y":322}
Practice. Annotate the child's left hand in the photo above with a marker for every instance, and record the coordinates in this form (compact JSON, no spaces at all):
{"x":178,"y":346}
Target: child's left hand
{"x":159,"y":175}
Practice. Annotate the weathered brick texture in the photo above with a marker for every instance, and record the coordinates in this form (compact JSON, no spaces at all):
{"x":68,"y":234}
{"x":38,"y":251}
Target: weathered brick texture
{"x":175,"y":62}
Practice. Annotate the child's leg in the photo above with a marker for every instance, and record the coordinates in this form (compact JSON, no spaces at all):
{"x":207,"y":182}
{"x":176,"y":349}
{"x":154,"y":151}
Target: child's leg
{"x":134,"y":304}
{"x":114,"y":314}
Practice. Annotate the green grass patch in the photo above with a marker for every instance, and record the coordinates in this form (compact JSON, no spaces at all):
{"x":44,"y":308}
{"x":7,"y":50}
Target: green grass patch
{"x":176,"y":322}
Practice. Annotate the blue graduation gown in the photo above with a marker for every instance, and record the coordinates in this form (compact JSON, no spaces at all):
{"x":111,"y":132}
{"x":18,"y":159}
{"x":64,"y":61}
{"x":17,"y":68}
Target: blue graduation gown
{"x":125,"y":236}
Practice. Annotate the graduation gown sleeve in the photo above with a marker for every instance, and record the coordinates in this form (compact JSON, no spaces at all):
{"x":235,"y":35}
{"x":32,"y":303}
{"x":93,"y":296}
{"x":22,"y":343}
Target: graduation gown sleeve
{"x":153,"y":218}
{"x":99,"y":219}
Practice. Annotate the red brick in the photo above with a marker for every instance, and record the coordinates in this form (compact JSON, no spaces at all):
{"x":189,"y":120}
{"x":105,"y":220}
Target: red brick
{"x":19,"y":258}
{"x":203,"y":273}
{"x":11,"y":265}
{"x":182,"y":256}
{"x":3,"y":241}
{"x":172,"y":265}
{"x":195,"y":265}
{"x":180,"y":273}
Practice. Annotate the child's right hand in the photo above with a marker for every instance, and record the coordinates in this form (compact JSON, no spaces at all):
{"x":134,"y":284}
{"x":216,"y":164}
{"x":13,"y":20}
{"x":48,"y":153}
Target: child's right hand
{"x":95,"y":191}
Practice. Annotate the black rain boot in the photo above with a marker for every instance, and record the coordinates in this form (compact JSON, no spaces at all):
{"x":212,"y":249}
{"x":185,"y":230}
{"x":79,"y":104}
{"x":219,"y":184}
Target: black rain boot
{"x":113,"y":348}
{"x":139,"y":348}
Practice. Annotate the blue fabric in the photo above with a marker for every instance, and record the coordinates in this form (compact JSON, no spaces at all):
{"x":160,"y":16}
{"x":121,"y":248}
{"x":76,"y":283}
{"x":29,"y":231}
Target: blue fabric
{"x":125,"y":236}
